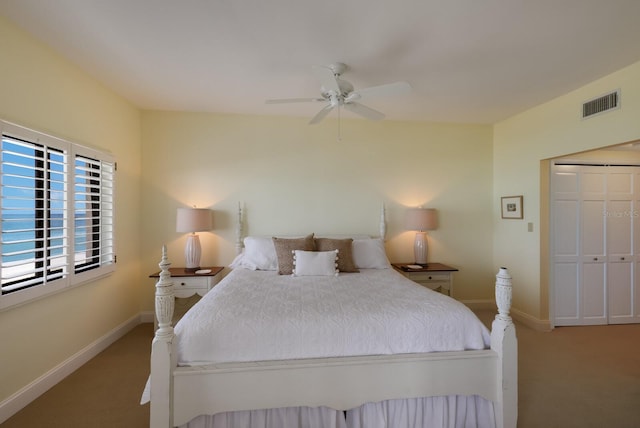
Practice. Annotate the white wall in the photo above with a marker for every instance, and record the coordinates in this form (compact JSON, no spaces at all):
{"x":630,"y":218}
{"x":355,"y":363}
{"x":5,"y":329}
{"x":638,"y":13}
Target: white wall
{"x":39,"y":89}
{"x":522,"y":144}
{"x":296,"y":178}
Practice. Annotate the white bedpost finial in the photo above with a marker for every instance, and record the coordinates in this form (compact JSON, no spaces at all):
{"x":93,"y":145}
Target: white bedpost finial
{"x":165,"y":300}
{"x":503,"y":294}
{"x":383,"y":224}
{"x":239,"y":230}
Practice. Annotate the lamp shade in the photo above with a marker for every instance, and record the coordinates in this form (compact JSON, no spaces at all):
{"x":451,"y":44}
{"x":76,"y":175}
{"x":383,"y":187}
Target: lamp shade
{"x":421,"y":219}
{"x":193,"y":220}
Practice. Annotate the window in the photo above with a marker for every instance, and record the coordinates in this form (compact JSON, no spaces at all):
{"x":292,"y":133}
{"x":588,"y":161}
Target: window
{"x":57,"y":204}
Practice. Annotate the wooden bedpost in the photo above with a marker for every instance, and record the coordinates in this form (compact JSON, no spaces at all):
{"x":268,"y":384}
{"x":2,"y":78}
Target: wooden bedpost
{"x":505,"y":344}
{"x":162,"y":356}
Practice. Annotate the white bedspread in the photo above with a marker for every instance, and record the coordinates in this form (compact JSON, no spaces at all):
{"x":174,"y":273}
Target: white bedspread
{"x":258,"y":315}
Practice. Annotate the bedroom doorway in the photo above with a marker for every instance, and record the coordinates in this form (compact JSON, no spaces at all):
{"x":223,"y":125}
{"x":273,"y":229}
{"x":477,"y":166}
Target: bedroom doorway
{"x":594,"y":242}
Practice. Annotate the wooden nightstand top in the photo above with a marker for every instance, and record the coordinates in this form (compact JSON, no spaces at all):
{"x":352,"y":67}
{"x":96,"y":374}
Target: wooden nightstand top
{"x":430,"y":267}
{"x":181,"y":272}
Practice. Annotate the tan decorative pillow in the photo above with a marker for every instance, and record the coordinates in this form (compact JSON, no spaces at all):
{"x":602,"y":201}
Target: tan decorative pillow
{"x":345,"y":254}
{"x":284,"y":251}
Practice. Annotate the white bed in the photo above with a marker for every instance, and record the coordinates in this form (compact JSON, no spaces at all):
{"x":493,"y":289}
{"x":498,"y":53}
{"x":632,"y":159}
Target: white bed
{"x":269,"y":350}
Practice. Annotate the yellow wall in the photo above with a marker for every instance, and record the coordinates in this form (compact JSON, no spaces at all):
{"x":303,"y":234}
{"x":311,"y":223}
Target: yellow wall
{"x":296,"y":178}
{"x":38,"y":89}
{"x":521,"y":146}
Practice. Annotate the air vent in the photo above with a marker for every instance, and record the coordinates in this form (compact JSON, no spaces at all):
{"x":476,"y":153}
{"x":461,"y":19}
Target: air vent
{"x":601,"y":104}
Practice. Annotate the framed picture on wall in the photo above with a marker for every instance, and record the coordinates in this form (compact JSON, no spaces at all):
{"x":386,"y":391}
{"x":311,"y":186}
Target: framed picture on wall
{"x":512,"y":207}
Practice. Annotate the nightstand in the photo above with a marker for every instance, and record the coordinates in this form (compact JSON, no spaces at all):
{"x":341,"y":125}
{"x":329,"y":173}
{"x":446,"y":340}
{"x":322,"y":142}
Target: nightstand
{"x":435,"y":276}
{"x":188,"y":288}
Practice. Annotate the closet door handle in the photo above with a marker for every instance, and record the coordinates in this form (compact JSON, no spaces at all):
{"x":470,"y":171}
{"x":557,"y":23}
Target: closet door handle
{"x":621,"y":258}
{"x":595,"y":259}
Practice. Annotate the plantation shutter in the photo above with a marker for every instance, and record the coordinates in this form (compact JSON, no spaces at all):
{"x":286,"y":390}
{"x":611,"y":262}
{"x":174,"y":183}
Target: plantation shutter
{"x":34,"y":245}
{"x":57,"y":214}
{"x":93,"y":213}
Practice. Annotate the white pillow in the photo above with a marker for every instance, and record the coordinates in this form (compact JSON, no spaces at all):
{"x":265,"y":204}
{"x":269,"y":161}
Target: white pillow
{"x":237,"y":261}
{"x":315,"y":263}
{"x":259,"y":254}
{"x":370,"y":254}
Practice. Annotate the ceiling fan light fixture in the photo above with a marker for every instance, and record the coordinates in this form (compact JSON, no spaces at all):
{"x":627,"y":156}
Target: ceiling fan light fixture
{"x":334,"y":99}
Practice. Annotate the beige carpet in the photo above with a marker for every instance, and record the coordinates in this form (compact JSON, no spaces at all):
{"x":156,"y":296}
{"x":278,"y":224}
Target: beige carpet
{"x":586,"y":377}
{"x":571,"y":377}
{"x":105,"y":392}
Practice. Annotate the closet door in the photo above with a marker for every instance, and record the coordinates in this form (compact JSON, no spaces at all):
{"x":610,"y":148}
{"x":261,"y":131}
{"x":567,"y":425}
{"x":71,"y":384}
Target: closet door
{"x":596,"y":244}
{"x":579,"y":245}
{"x":636,"y":246}
{"x":593,"y":253}
{"x":620,"y":220}
{"x":565,"y":241}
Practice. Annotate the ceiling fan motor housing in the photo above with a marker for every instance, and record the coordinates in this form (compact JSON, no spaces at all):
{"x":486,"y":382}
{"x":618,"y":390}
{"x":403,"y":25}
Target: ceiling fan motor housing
{"x":345,"y":89}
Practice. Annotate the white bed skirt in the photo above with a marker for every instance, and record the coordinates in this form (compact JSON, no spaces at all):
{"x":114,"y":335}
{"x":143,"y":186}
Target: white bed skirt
{"x":434,"y":412}
{"x":453,"y":411}
{"x":288,"y":417}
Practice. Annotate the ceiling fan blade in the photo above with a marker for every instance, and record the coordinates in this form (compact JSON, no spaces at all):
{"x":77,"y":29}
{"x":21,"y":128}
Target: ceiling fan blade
{"x":293,"y":100}
{"x":321,"y":114}
{"x":396,"y":88}
{"x":327,"y":78}
{"x":364,"y":111}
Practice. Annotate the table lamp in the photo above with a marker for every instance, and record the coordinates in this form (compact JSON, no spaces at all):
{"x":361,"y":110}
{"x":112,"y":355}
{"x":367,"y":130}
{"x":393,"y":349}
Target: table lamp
{"x":421,"y":219}
{"x":192,"y":220}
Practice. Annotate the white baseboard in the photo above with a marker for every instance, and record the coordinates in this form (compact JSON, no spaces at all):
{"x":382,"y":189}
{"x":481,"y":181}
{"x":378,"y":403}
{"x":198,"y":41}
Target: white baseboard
{"x":148,"y":316}
{"x":530,"y":321}
{"x":30,"y":392}
{"x":480,"y":304}
{"x":523,"y":318}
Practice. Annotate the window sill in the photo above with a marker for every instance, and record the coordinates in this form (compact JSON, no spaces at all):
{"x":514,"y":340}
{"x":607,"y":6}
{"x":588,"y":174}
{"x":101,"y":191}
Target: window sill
{"x":29,"y":295}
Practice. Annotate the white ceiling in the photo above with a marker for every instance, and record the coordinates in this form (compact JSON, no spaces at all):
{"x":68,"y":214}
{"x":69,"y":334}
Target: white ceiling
{"x":472,"y":61}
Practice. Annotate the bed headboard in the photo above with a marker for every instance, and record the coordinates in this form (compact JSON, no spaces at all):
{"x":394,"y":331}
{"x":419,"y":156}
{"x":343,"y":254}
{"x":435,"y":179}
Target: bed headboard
{"x":240,"y":227}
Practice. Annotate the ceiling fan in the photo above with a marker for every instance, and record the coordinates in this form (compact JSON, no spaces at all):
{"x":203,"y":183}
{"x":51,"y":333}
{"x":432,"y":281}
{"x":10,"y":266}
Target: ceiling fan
{"x":337,"y":92}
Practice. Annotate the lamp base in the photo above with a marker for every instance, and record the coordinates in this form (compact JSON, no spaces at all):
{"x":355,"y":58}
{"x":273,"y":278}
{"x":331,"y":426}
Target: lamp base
{"x":420,"y":248}
{"x":192,"y":253}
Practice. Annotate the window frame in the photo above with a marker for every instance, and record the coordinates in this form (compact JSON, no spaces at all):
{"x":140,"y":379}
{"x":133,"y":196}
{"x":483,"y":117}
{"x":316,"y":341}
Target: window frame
{"x":70,"y":278}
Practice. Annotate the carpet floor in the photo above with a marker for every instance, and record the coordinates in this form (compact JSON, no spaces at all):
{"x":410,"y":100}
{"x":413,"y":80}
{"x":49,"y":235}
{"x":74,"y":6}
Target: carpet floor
{"x":587,"y":377}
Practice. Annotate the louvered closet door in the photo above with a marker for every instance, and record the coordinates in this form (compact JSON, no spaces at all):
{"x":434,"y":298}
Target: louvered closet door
{"x":620,"y":221}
